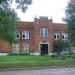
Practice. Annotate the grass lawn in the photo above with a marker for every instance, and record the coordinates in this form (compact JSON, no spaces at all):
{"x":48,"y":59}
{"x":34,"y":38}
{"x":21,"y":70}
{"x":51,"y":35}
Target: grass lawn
{"x":11,"y":58}
{"x":27,"y":61}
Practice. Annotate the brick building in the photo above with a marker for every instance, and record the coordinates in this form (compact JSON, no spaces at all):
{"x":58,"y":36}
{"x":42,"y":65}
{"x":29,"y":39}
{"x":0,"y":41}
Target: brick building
{"x":36,"y":37}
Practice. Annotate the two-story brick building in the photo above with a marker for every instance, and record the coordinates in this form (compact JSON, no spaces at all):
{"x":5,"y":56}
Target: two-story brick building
{"x":36,"y":37}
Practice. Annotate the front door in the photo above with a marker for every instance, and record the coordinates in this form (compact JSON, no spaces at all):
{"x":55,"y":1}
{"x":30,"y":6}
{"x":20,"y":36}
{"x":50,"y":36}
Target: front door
{"x":44,"y":48}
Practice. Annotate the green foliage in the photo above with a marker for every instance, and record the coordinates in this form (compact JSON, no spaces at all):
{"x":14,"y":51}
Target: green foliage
{"x":70,"y":20}
{"x":20,"y":4}
{"x":56,"y":45}
{"x":65,"y":44}
{"x":64,"y":55}
{"x":8,"y":18}
{"x":67,"y":55}
{"x":18,"y":54}
{"x":8,"y":21}
{"x":60,"y":44}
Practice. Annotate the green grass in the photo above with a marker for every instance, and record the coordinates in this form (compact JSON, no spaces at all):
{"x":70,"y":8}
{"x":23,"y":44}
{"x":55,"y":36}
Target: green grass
{"x":24,"y":58}
{"x":32,"y":61}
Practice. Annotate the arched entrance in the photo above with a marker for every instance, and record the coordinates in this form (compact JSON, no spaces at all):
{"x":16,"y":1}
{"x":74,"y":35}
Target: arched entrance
{"x":44,"y":49}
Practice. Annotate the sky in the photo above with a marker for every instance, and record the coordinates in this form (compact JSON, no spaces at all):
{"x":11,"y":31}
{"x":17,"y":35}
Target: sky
{"x":50,"y":8}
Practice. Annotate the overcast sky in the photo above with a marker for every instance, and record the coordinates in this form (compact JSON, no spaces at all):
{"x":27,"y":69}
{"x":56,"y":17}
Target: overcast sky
{"x":50,"y":8}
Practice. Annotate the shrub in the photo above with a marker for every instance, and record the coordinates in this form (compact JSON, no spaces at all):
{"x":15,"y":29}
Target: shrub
{"x":64,"y":55}
{"x":14,"y":54}
{"x":73,"y":56}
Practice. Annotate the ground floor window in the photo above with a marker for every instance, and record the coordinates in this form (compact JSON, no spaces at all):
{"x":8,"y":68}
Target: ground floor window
{"x":25,"y":48}
{"x":16,"y":48}
{"x":60,"y":46}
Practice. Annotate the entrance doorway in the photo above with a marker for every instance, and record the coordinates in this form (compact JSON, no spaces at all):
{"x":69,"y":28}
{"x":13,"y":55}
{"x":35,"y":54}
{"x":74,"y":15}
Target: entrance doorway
{"x":44,"y":48}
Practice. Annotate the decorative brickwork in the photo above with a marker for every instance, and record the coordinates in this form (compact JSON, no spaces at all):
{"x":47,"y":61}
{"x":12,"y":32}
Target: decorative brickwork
{"x":35,"y":40}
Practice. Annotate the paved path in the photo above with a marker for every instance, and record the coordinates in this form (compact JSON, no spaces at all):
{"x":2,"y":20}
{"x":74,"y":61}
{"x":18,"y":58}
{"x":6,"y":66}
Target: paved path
{"x":56,"y":71}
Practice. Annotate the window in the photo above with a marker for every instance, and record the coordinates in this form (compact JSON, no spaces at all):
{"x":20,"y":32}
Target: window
{"x":25,"y":47}
{"x":25,"y":35}
{"x":44,"y":32}
{"x":17,"y":35}
{"x":15,"y":48}
{"x":64,"y":36}
{"x":56,"y":36}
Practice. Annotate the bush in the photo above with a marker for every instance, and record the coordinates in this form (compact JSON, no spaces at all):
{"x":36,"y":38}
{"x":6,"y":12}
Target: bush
{"x":67,"y":55}
{"x":18,"y":54}
{"x":64,"y":55}
{"x":73,"y":56}
{"x":53,"y":56}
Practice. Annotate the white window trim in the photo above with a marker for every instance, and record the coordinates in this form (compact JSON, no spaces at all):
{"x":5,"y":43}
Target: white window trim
{"x":65,"y":36}
{"x":57,"y":34}
{"x":17,"y":32}
{"x":26,"y":33}
{"x":42,"y":30}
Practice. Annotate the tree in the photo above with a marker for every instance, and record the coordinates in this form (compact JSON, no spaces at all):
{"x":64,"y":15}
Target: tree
{"x":60,"y":45}
{"x":8,"y":18}
{"x":20,"y":4}
{"x":57,"y":47}
{"x":70,"y":20}
{"x":8,"y":21}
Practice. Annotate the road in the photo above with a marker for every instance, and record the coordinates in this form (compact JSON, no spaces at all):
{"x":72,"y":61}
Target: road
{"x":56,"y":71}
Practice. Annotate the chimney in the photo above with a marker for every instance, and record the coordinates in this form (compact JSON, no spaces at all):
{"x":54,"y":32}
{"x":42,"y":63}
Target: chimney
{"x":51,"y":20}
{"x":36,"y":20}
{"x":35,"y":17}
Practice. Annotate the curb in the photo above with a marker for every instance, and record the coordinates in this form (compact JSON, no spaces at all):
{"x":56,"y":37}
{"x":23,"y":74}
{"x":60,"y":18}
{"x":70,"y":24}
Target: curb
{"x":36,"y":68}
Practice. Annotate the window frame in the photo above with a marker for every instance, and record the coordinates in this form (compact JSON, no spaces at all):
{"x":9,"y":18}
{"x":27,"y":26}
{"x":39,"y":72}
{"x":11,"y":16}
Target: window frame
{"x":17,"y":33}
{"x":26,"y":34}
{"x":57,"y":34}
{"x":65,"y":35}
{"x":44,"y":32}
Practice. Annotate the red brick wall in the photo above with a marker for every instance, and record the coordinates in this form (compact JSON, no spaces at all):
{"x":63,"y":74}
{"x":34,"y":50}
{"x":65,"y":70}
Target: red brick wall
{"x":5,"y":47}
{"x":34,"y":31}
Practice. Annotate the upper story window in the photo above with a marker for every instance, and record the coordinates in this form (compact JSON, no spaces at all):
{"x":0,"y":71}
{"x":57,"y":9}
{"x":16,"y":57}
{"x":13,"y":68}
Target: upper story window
{"x":17,"y":35}
{"x":44,"y":32}
{"x":64,"y":36}
{"x":25,"y":35}
{"x":56,"y":36}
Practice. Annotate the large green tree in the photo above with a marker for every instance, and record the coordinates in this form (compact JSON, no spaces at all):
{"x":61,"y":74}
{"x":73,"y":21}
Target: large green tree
{"x":60,"y":46}
{"x":8,"y":18}
{"x":8,"y":21}
{"x":70,"y":20}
